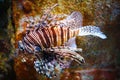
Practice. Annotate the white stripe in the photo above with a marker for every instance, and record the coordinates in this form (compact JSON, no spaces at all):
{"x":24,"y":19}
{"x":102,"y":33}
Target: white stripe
{"x":33,"y":35}
{"x":30,"y":46}
{"x":42,"y":36}
{"x":38,"y":39}
{"x":30,"y":39}
{"x":27,"y":48}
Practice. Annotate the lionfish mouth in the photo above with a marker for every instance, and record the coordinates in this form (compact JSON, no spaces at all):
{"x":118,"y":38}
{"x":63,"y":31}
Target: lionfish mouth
{"x":53,"y":61}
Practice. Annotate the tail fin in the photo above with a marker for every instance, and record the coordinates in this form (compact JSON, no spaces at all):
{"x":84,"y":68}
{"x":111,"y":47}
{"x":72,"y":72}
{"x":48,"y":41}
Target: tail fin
{"x":92,"y":30}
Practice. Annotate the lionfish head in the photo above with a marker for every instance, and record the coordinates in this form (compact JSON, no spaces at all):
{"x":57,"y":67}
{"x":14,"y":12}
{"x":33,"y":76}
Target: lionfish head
{"x":67,"y":54}
{"x":52,"y":62}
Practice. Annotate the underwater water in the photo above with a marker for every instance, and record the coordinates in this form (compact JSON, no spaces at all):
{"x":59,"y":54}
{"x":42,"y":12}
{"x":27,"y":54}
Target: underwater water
{"x":102,"y":58}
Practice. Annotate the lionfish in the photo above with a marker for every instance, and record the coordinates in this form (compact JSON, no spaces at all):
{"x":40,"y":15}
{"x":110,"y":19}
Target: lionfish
{"x":45,"y":37}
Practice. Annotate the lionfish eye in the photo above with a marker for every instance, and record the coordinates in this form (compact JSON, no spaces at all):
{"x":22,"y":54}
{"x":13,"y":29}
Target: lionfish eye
{"x":62,"y":58}
{"x":32,"y":22}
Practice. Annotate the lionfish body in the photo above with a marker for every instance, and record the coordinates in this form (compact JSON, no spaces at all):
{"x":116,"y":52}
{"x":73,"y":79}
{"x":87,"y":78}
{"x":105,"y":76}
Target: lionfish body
{"x":56,"y":36}
{"x":48,"y":37}
{"x":57,"y":33}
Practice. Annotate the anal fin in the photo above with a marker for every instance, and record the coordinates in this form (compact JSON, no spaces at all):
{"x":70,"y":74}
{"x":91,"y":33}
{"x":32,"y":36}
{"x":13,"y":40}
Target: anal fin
{"x":71,"y":43}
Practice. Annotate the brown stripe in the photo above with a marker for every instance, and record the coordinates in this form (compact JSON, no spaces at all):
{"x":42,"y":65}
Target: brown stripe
{"x":35,"y":36}
{"x":38,"y":39}
{"x":73,"y":33}
{"x":62,"y":35}
{"x":26,"y":47}
{"x":57,"y":34}
{"x":35,"y":42}
{"x":68,"y":33}
{"x":51,"y":36}
{"x":54,"y":36}
{"x":28,"y":40}
{"x":46,"y":38}
{"x":28,"y":44}
{"x":41,"y":38}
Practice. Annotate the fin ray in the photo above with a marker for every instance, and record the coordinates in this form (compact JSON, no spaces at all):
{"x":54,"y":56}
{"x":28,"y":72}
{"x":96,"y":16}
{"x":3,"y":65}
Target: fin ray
{"x":74,"y":20}
{"x":91,"y":30}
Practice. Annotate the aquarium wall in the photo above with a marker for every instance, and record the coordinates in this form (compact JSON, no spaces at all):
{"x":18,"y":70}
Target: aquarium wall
{"x":102,"y":56}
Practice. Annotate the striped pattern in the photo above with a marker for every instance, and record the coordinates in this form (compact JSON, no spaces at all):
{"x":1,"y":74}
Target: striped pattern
{"x":47,"y":37}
